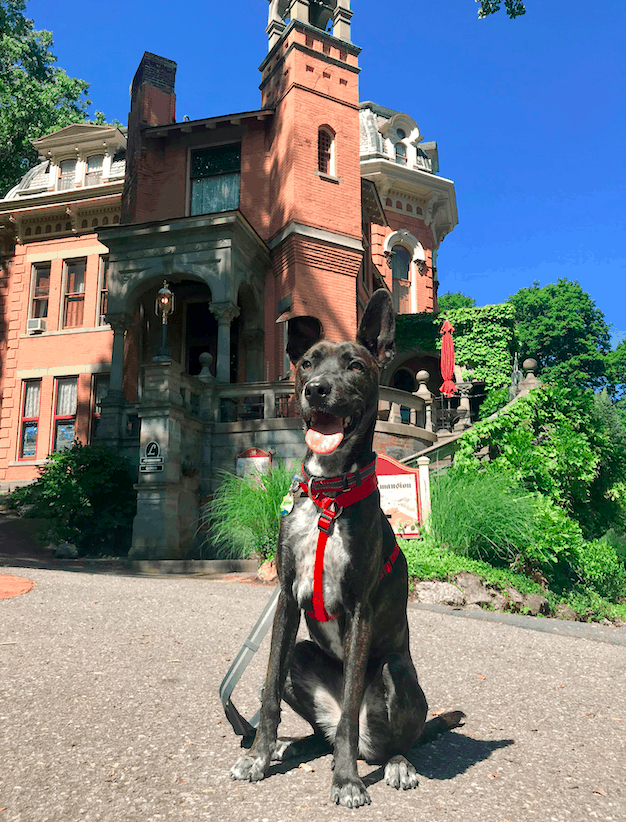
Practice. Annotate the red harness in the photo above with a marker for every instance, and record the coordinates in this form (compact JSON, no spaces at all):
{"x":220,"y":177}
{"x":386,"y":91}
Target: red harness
{"x":345,"y":490}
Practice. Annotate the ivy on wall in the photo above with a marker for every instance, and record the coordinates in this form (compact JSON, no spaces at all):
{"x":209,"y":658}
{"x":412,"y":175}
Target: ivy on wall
{"x":483,"y":339}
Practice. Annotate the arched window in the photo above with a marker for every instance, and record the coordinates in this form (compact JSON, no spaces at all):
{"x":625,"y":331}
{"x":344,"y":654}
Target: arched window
{"x":401,"y":263}
{"x":401,"y":154}
{"x":325,"y":151}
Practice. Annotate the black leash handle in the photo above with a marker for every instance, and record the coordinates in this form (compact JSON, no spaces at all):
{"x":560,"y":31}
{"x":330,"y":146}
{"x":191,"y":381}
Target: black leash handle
{"x":242,"y":726}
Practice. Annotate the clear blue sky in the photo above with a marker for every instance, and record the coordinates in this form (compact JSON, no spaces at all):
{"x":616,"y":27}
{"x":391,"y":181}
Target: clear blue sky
{"x":529,"y":115}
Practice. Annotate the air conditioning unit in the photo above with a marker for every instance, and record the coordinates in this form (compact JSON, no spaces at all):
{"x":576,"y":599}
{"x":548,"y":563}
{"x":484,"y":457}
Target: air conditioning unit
{"x":36,"y":325}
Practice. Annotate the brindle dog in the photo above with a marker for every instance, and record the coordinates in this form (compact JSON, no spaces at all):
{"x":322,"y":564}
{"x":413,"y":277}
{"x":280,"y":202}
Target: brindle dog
{"x":355,"y":682}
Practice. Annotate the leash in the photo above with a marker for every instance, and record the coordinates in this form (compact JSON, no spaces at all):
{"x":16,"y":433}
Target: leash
{"x":249,"y":648}
{"x":332,"y":496}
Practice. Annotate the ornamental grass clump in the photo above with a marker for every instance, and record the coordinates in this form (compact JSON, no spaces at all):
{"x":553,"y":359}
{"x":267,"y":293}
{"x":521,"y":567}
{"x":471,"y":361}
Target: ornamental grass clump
{"x":243,"y":518}
{"x":486,"y":516}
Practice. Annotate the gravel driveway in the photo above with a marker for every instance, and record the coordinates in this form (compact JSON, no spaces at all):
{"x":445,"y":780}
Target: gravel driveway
{"x":109,"y":711}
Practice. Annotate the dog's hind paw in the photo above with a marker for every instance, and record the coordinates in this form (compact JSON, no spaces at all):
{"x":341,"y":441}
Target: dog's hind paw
{"x":399,"y":773}
{"x":350,"y":793}
{"x":249,"y":768}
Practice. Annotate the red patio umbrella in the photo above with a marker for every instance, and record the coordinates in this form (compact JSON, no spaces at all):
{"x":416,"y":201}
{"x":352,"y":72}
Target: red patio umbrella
{"x":448,"y":388}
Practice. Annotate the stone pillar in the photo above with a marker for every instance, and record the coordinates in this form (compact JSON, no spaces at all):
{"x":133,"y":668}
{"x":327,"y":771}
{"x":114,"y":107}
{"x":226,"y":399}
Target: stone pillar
{"x":158,"y":525}
{"x":423,"y":393}
{"x":112,"y":408}
{"x":341,"y":20}
{"x":424,"y":482}
{"x":464,"y":409}
{"x":530,"y":381}
{"x":274,"y":30}
{"x":299,"y":10}
{"x":225,"y":314}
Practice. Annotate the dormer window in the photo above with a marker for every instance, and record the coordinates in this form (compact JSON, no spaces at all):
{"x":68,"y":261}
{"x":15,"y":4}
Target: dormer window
{"x":325,"y":151}
{"x":93,"y":173}
{"x":401,"y":153}
{"x":67,"y":174}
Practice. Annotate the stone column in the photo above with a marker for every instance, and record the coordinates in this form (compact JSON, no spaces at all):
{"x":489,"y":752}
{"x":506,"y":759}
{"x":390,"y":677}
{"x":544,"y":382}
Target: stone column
{"x":112,"y":407}
{"x":299,"y":10}
{"x":225,"y":314}
{"x":341,"y":20}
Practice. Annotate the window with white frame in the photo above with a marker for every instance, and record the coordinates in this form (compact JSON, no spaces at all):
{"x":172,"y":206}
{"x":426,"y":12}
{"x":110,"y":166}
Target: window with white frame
{"x":74,"y":293}
{"x":401,"y":154}
{"x":65,"y":413}
{"x":93,"y":171}
{"x":67,"y":174}
{"x":326,"y":151}
{"x":40,"y":291}
{"x":29,"y":419}
{"x":215,"y":179}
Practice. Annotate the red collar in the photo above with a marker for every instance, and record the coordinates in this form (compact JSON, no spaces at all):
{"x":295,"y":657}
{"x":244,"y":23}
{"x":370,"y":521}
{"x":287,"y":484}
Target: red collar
{"x":332,"y":496}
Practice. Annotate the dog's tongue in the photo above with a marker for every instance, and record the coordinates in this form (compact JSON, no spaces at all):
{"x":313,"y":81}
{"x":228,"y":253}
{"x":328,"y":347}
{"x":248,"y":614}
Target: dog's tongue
{"x":325,"y":433}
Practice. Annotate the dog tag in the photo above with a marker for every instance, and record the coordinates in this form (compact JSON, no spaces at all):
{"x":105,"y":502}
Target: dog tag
{"x":286,"y":506}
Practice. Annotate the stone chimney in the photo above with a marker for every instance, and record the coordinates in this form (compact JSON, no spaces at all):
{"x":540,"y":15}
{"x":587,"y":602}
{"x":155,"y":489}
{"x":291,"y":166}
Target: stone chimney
{"x":152,"y":103}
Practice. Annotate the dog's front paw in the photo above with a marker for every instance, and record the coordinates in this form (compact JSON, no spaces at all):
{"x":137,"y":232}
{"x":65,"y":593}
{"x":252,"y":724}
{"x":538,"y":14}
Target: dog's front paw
{"x":399,"y":773}
{"x":249,"y":768}
{"x":350,"y":793}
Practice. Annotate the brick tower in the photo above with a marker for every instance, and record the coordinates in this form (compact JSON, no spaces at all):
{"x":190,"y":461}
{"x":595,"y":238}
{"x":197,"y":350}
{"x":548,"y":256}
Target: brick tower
{"x":310,"y":78}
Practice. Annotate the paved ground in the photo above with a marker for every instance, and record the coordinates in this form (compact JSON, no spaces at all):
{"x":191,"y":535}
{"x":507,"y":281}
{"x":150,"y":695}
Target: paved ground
{"x":109,"y":711}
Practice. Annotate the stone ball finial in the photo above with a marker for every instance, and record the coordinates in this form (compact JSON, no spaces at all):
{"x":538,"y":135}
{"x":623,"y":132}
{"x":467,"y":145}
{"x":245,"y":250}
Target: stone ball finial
{"x":206,"y":361}
{"x":530,"y":364}
{"x":422,"y":376}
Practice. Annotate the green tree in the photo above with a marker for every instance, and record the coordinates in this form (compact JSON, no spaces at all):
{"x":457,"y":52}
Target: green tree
{"x":560,"y":325}
{"x":36,"y":96}
{"x":616,"y":371}
{"x":514,"y":8}
{"x":455,"y":299}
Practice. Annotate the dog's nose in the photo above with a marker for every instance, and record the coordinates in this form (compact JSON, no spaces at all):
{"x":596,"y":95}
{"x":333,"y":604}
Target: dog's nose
{"x":317,"y":389}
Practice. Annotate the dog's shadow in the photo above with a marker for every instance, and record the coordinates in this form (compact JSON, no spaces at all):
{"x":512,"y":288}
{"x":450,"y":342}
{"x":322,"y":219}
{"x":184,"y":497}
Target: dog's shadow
{"x":444,"y":758}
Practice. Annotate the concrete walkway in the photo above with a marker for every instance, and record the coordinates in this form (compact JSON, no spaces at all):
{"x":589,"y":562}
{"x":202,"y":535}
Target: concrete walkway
{"x":109,"y":711}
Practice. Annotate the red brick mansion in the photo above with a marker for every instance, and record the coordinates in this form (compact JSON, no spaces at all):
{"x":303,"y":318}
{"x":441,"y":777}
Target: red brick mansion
{"x":304,"y":206}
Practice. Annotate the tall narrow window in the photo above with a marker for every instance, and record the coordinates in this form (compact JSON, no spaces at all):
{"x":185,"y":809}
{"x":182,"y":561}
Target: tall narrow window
{"x":67,"y":174}
{"x":401,"y":263}
{"x":74,"y":293}
{"x":104,"y":290}
{"x":29,"y":422}
{"x":41,"y":291}
{"x":215,"y":179}
{"x":65,"y":414}
{"x":100,"y":390}
{"x":325,"y":151}
{"x":93,"y":175}
{"x":401,"y":154}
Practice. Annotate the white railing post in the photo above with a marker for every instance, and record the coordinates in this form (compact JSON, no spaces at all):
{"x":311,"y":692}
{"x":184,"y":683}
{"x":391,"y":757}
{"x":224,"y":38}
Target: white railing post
{"x":424,"y":481}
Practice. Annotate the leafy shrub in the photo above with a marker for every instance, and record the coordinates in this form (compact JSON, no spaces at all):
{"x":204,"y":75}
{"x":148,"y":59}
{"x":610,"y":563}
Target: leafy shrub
{"x":599,"y":568}
{"x":494,"y":401}
{"x":243,"y":517}
{"x":481,"y":515}
{"x":85,"y":495}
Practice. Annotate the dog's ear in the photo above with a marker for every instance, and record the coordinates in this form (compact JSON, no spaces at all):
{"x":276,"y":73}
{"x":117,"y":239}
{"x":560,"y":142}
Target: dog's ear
{"x":377,"y":329}
{"x":302,"y":333}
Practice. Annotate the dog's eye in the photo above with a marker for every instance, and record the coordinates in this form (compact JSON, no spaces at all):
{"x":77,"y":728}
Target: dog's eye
{"x":356,"y":365}
{"x":306,"y":365}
